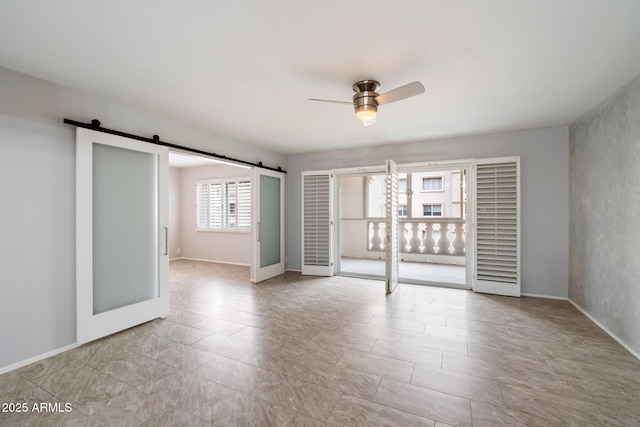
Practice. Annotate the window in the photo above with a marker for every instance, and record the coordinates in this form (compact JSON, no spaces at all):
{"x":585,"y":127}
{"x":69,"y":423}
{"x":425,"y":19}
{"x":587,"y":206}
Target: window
{"x":223,"y":204}
{"x":432,"y":210}
{"x":402,"y":210}
{"x":432,"y":183}
{"x":402,"y":185}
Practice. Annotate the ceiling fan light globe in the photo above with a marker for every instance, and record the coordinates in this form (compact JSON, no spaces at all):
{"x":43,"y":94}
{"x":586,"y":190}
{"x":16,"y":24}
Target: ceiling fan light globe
{"x":366,"y":116}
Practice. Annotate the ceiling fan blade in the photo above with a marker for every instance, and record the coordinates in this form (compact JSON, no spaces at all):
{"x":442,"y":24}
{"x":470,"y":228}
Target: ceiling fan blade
{"x":400,"y":93}
{"x":331,"y":100}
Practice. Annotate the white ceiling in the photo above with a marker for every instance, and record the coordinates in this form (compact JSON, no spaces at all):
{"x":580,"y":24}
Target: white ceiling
{"x":245,"y":68}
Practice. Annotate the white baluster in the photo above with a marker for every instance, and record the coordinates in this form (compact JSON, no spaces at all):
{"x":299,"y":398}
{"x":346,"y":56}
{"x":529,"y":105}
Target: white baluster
{"x":443,"y":242}
{"x":415,"y":238}
{"x":429,"y":243}
{"x":458,"y":243}
{"x":374,"y":239}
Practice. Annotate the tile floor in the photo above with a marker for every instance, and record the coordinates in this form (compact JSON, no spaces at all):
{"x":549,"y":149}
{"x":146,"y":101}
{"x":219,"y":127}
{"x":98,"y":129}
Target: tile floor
{"x":308,"y":351}
{"x":452,"y":275}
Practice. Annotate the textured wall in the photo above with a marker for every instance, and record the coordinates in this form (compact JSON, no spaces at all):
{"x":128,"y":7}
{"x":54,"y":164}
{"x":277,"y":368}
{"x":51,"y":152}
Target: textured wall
{"x":604,"y":213}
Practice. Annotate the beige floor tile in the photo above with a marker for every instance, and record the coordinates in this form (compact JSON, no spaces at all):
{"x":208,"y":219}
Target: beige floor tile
{"x":397,"y":323}
{"x":485,"y":415}
{"x":148,"y":345}
{"x":328,"y":375}
{"x":408,"y":352}
{"x":377,"y":365}
{"x":186,"y":318}
{"x":231,"y":373}
{"x":120,"y":404}
{"x":175,"y":418}
{"x":300,"y":420}
{"x":218,"y":326}
{"x":345,"y":340}
{"x":233,"y":408}
{"x":131,"y":368}
{"x":187,"y":391}
{"x":434,"y":319}
{"x":72,"y":383}
{"x":424,"y":402}
{"x":308,"y":399}
{"x":50,"y":364}
{"x":335,"y":351}
{"x":444,"y":344}
{"x":355,"y":412}
{"x":184,"y":357}
{"x":180,"y":333}
{"x":457,"y":384}
{"x":224,"y":346}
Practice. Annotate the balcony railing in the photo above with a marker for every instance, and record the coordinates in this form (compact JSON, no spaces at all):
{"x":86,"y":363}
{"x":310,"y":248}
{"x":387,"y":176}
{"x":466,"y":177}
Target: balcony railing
{"x":437,"y":236}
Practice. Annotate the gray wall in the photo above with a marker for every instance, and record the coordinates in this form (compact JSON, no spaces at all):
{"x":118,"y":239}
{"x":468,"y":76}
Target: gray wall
{"x":175,"y":212}
{"x":37,"y":202}
{"x":604,"y":206}
{"x":544,"y":156}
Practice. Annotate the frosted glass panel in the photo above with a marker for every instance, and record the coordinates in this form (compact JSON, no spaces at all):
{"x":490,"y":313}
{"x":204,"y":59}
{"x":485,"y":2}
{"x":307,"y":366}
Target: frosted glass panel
{"x":269,"y":220}
{"x":125,"y":229}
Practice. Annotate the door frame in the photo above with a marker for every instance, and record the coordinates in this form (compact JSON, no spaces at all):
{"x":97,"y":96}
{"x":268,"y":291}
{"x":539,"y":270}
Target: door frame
{"x":467,"y":164}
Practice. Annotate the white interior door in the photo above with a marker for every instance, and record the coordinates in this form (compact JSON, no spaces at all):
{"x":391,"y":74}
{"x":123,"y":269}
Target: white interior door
{"x":268,"y":230}
{"x":121,"y":232}
{"x":392,"y":224}
{"x":497,"y":226}
{"x":317,"y":257}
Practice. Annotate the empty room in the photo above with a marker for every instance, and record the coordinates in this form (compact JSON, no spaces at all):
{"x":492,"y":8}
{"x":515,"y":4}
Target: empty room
{"x":296,"y":213}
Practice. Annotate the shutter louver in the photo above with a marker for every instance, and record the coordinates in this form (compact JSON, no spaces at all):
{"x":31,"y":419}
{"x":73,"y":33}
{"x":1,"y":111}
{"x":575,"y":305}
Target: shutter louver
{"x":316,"y":225}
{"x":392,"y":227}
{"x":202,"y":205}
{"x":244,"y":204}
{"x":216,"y":205}
{"x":497,"y":222}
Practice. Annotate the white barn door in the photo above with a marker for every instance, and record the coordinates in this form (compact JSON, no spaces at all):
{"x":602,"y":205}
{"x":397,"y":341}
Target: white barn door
{"x":122,"y":261}
{"x":268,"y":230}
{"x":497,"y":226}
{"x":317,"y":257}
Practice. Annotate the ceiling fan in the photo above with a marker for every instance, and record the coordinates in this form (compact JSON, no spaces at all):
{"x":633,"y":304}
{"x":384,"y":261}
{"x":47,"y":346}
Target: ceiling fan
{"x":366,"y":99}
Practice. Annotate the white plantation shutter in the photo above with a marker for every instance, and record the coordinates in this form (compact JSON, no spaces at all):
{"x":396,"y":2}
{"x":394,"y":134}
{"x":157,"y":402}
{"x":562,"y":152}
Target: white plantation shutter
{"x":391,"y":243}
{"x":223,"y":204}
{"x":497,"y":226}
{"x":215,"y":207}
{"x":316,"y":224}
{"x":244,"y":204}
{"x":230,"y":205}
{"x":202,"y":205}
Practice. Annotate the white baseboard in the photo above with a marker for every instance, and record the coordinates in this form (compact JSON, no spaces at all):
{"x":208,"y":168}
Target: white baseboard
{"x":293,"y":269}
{"x":604,"y":328}
{"x":545,"y":296}
{"x":213,"y":261}
{"x":36,"y":358}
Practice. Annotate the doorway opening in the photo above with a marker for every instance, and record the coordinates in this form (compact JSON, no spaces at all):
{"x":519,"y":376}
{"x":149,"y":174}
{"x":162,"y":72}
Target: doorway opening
{"x":433,"y":220}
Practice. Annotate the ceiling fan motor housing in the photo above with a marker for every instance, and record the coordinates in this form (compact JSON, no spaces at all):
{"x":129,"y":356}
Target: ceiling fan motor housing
{"x":364,"y":98}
